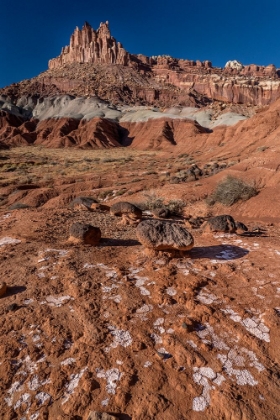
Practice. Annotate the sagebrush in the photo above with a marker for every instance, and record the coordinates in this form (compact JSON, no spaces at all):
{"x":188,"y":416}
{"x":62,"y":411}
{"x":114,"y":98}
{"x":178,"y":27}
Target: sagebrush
{"x":230,"y":190}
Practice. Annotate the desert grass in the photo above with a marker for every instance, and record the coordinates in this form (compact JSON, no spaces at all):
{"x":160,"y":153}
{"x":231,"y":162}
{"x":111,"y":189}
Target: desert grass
{"x":38,"y":164}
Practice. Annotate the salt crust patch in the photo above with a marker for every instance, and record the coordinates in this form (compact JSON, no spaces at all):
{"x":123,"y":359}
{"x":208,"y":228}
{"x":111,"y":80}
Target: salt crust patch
{"x":207,"y":298}
{"x":253,"y":325}
{"x":42,"y":398}
{"x":147,"y":364}
{"x":157,"y":339}
{"x":243,"y":377}
{"x":112,"y":376}
{"x":24,"y":399}
{"x":68,"y":361}
{"x":34,"y":416}
{"x":121,"y":338}
{"x":35,"y":383}
{"x":5,"y":216}
{"x":143,"y":311}
{"x":202,"y":376}
{"x":27,"y":366}
{"x":110,"y":274}
{"x":60,"y":254}
{"x":255,"y":291}
{"x":139,"y":281}
{"x":72,"y":385}
{"x":171,"y":291}
{"x":192,"y":344}
{"x":56,"y":301}
{"x":208,"y":336}
{"x":158,"y":327}
{"x":162,"y":350}
{"x":28,"y":301}
{"x":105,"y":402}
{"x":232,"y":360}
{"x":7,"y":241}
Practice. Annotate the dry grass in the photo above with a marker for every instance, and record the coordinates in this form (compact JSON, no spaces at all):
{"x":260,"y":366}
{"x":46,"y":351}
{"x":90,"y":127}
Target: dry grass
{"x":50,"y":165}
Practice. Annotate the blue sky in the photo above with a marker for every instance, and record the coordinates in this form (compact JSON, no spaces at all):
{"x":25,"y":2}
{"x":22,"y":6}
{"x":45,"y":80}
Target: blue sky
{"x":32,"y":32}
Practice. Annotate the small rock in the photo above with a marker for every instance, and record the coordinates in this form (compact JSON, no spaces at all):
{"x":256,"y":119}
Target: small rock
{"x":223,"y":223}
{"x":3,"y":288}
{"x":85,"y":234}
{"x":130,"y":213}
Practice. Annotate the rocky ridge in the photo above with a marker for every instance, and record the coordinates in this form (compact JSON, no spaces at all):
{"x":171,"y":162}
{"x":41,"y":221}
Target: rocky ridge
{"x":94,"y":63}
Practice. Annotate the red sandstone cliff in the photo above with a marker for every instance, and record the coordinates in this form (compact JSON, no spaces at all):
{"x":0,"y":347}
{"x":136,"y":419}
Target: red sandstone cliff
{"x":147,"y":79}
{"x":90,"y":46}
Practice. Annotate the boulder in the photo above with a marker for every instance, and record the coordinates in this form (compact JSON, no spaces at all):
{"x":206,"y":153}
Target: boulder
{"x":159,"y":235}
{"x":85,"y":234}
{"x":3,"y":288}
{"x":83,"y":203}
{"x":130,"y":213}
{"x":222,"y":223}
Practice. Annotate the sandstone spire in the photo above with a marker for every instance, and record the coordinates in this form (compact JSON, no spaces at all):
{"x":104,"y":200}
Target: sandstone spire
{"x":90,"y":46}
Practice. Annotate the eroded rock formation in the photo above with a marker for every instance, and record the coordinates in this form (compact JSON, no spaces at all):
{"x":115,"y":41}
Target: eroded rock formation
{"x":90,"y":46}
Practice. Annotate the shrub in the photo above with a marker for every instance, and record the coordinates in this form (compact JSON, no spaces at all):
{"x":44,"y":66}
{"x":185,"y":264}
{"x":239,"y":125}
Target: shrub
{"x":174,"y":180}
{"x":104,"y":194}
{"x":153,"y":202}
{"x":176,"y":206}
{"x":121,"y":192}
{"x":231,"y":190}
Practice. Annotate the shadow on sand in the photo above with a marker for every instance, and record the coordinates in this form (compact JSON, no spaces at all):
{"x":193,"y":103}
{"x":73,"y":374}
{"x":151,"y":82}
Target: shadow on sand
{"x":14,"y":290}
{"x":118,"y":242}
{"x":218,"y":252}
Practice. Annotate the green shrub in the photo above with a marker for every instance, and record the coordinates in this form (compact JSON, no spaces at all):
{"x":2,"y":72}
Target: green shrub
{"x":230,"y":190}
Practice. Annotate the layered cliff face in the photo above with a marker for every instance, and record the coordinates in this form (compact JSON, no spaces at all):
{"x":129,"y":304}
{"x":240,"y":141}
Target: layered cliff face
{"x":156,"y":80}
